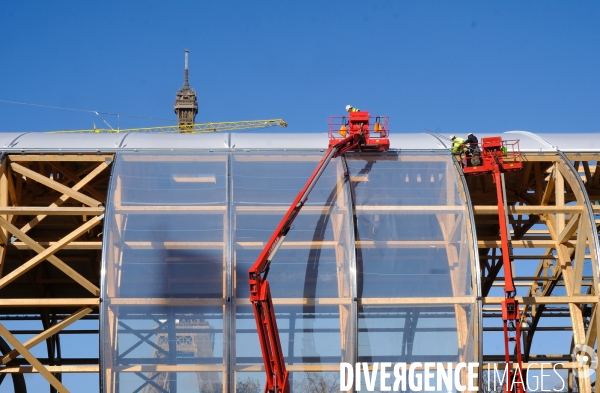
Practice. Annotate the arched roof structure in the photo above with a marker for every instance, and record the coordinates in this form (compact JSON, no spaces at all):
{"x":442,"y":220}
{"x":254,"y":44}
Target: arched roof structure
{"x":153,"y":233}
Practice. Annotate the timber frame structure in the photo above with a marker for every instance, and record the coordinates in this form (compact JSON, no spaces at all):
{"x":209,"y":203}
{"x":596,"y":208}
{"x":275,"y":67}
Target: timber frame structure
{"x":53,"y":227}
{"x":51,"y":211}
{"x":552,"y":202}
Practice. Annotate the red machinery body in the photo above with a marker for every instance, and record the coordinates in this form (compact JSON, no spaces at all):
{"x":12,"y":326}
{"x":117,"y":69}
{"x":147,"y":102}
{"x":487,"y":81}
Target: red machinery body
{"x":355,"y":135}
{"x":496,"y":157}
{"x":358,"y":124}
{"x":494,"y":151}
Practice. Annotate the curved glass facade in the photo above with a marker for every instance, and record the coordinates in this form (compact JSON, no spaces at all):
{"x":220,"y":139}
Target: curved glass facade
{"x":377,"y":267}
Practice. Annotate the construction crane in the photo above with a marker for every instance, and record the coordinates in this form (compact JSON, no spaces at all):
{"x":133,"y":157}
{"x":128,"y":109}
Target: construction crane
{"x":497,"y":157}
{"x":354,"y":135}
{"x":188,"y":128}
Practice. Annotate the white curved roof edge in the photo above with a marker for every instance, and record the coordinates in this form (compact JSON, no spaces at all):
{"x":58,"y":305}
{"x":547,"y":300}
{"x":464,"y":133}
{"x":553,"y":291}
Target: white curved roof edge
{"x":115,"y":142}
{"x":416,"y":141}
{"x":574,"y":142}
{"x":7,"y":139}
{"x":529,"y":142}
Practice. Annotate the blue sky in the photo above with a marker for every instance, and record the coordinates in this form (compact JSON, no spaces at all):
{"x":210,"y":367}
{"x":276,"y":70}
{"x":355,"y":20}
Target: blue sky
{"x":450,"y":67}
{"x":445,"y":66}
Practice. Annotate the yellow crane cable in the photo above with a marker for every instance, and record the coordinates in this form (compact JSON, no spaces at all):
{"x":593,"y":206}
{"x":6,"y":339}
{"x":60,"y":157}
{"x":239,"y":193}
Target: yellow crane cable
{"x":188,"y":128}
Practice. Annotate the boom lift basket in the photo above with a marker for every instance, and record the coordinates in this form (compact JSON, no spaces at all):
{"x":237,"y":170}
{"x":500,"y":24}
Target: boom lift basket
{"x":496,"y":157}
{"x":506,"y":154}
{"x":373,"y":129}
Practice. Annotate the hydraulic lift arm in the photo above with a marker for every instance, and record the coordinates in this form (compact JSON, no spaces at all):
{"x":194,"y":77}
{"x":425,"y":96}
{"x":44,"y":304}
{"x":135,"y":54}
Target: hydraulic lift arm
{"x":511,"y":315}
{"x":260,"y":293}
{"x":494,"y":151}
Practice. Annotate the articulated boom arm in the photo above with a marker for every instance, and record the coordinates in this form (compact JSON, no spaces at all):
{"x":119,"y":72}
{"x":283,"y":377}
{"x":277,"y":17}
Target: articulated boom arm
{"x":260,"y":293}
{"x":511,"y":315}
{"x":496,"y":160}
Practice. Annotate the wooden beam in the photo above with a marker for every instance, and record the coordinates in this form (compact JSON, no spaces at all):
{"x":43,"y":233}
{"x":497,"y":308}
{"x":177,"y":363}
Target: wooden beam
{"x":32,"y":360}
{"x":55,"y":185}
{"x":175,"y":245}
{"x":165,"y":368}
{"x":60,"y":157}
{"x":48,"y":253}
{"x":12,"y":191}
{"x":548,"y":243}
{"x":540,"y":157}
{"x":52,"y":211}
{"x":210,"y":157}
{"x":465,"y":300}
{"x":70,"y":246}
{"x":52,"y":369}
{"x":412,"y":209}
{"x":63,"y":198}
{"x":170,"y":209}
{"x":47,"y":333}
{"x":549,"y":188}
{"x":262,"y":210}
{"x":528,"y":209}
{"x":172,"y":302}
{"x":301,"y":301}
{"x":569,"y":229}
{"x":54,"y":302}
{"x":582,"y":299}
{"x":65,"y":171}
{"x":4,"y":192}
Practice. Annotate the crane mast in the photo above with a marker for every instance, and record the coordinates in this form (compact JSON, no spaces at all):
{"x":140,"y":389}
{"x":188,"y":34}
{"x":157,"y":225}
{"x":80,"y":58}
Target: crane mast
{"x":496,"y":159}
{"x":355,"y":135}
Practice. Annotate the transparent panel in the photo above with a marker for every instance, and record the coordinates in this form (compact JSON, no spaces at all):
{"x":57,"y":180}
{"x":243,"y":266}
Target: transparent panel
{"x":164,"y":282}
{"x":414,"y":334}
{"x":413,"y":259}
{"x":182,"y":231}
{"x":310,"y":275}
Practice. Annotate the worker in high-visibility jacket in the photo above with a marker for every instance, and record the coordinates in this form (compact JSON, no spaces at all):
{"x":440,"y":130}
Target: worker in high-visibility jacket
{"x":350,"y":108}
{"x":458,"y":145}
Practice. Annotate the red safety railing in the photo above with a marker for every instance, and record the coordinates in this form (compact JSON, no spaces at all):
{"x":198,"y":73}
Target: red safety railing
{"x":339,"y":126}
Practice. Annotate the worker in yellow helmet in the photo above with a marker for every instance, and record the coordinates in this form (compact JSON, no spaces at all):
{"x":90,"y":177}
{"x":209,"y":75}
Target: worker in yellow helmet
{"x":459,"y":148}
{"x":458,"y":145}
{"x":350,"y":108}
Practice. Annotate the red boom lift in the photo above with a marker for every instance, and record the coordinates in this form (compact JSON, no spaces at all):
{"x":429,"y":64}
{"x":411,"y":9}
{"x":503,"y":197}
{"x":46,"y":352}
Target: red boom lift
{"x":355,"y":135}
{"x":496,"y":157}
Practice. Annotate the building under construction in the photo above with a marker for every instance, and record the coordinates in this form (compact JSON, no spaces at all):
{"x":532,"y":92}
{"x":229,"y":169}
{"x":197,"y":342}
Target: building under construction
{"x":154,"y":234}
{"x":396,"y":257}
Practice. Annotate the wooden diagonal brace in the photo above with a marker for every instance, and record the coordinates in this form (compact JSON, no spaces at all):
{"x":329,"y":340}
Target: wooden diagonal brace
{"x":32,"y":360}
{"x":91,"y":190}
{"x":90,"y":176}
{"x":48,"y":253}
{"x":549,"y":189}
{"x":55,"y":185}
{"x":47,"y":333}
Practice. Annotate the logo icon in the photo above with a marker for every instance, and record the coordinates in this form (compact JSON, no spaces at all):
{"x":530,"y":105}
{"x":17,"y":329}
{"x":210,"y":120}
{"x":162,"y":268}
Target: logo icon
{"x":585,"y":359}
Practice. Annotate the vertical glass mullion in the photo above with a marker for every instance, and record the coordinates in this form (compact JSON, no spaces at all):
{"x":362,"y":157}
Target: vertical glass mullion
{"x":103,"y":268}
{"x":352,"y":254}
{"x":228,"y":325}
{"x":471,"y":234}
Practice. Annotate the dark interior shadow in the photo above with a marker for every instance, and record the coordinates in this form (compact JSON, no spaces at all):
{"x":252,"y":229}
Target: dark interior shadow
{"x":312,"y":267}
{"x":359,"y":259}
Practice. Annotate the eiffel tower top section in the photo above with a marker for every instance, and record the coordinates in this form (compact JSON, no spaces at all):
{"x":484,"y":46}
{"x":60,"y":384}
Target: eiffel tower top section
{"x":186,"y":105}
